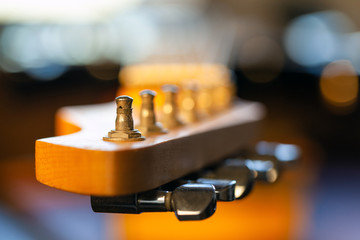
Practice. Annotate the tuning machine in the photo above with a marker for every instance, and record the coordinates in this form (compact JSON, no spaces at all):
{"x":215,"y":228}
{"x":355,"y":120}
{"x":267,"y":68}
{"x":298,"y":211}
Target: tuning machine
{"x":286,"y":154}
{"x":268,"y":159}
{"x":191,"y":201}
{"x":194,"y":197}
{"x":224,"y":189}
{"x":237,"y":171}
{"x":266,"y":169}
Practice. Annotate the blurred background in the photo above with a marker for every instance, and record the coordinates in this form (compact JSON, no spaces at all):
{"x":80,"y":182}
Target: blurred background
{"x":301,"y":59}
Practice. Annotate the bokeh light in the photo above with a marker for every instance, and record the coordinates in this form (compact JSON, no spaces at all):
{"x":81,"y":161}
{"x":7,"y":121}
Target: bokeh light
{"x":339,"y":84}
{"x":315,"y":39}
{"x":49,"y":72}
{"x":352,"y":49}
{"x":79,"y":11}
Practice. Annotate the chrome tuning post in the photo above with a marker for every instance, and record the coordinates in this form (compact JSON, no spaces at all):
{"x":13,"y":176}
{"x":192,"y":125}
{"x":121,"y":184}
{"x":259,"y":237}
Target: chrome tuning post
{"x":191,"y":201}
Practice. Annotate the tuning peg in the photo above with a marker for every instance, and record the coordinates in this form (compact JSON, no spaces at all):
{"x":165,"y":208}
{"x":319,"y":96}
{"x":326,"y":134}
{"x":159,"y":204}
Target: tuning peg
{"x":284,"y":153}
{"x":224,"y":189}
{"x":266,"y":168}
{"x":148,"y":124}
{"x":268,"y":159}
{"x":236,"y":170}
{"x":192,"y":201}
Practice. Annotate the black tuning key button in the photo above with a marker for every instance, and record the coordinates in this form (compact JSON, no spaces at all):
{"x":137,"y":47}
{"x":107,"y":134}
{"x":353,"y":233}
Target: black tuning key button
{"x":236,"y":170}
{"x":191,"y":201}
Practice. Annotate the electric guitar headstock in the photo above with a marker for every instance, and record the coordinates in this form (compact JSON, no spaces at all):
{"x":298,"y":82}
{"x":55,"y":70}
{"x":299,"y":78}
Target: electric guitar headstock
{"x":149,"y":145}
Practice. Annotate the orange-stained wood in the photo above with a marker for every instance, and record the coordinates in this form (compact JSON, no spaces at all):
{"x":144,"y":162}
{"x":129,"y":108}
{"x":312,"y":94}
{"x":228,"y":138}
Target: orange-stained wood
{"x":83,"y":163}
{"x":64,"y":126}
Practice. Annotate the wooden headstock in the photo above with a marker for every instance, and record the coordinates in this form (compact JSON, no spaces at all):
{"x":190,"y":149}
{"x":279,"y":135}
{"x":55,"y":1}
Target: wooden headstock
{"x":82,"y":162}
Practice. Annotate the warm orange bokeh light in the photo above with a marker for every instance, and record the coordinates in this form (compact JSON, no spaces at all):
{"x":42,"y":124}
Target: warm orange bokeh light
{"x":178,"y":74}
{"x":214,"y":77}
{"x":339,"y":83}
